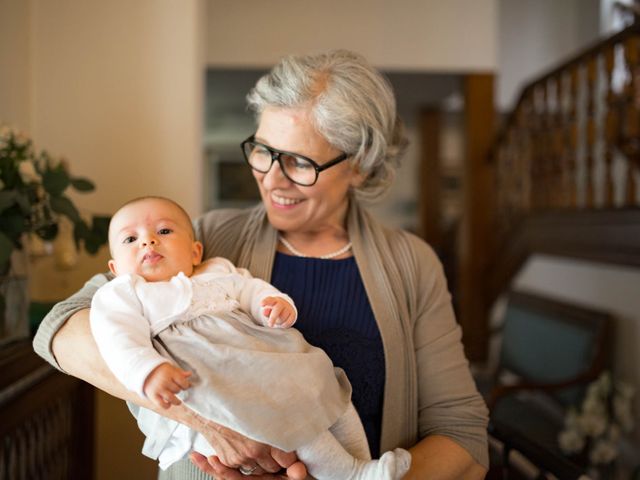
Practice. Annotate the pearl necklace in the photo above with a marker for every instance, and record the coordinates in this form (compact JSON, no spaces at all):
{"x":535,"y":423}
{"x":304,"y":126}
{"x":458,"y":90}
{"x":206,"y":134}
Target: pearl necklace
{"x":297,"y":253}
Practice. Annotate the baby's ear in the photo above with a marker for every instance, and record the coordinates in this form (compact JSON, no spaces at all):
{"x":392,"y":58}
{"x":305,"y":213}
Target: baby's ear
{"x":197,"y":253}
{"x":112,"y":266}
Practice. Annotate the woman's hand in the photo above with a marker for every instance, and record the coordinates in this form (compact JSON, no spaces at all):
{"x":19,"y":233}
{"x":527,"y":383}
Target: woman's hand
{"x":234,"y":450}
{"x":212,"y":466}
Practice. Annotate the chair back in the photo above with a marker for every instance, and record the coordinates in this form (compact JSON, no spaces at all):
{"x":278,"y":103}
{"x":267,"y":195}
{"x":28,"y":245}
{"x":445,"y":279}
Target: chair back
{"x":551,"y":342}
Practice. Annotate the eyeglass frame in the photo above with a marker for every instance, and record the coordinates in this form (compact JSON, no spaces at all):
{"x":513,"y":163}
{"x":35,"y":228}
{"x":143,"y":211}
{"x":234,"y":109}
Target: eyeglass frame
{"x":275,"y":156}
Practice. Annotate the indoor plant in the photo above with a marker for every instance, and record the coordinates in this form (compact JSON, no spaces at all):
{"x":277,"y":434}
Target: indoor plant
{"x":32,"y":202}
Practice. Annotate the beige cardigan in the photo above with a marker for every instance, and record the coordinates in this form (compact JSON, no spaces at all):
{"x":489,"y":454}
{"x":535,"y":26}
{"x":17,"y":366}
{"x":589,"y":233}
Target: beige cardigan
{"x":428,"y":386}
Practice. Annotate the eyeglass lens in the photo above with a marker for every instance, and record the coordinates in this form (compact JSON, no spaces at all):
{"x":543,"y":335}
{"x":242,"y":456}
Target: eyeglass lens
{"x":297,"y":169}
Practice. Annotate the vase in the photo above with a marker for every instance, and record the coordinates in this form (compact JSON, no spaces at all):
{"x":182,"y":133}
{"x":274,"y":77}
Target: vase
{"x":14,"y":288}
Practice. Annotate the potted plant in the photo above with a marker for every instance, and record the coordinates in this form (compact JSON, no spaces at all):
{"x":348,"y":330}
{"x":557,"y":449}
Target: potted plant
{"x":33,"y":187}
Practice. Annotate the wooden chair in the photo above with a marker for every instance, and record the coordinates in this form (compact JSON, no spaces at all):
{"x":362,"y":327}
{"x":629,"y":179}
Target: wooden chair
{"x":550,"y":351}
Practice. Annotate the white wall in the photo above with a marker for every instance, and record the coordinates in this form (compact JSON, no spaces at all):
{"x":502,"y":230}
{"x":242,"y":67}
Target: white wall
{"x":536,"y":35}
{"x":117,"y":88}
{"x":15,"y":63}
{"x":427,"y":35}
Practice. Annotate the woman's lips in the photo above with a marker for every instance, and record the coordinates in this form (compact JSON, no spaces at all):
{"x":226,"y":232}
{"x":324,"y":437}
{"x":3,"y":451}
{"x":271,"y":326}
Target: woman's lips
{"x":284,"y":202}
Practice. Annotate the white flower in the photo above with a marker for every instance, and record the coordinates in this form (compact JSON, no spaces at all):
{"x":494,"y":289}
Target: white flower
{"x":20,"y":138}
{"x":603,"y":452}
{"x":571,"y":441}
{"x":593,"y":404}
{"x":593,"y":424}
{"x":28,"y":172}
{"x":572,"y":419}
{"x":5,"y":132}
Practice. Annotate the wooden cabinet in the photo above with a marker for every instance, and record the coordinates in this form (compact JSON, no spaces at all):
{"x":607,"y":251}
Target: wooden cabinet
{"x":46,"y":419}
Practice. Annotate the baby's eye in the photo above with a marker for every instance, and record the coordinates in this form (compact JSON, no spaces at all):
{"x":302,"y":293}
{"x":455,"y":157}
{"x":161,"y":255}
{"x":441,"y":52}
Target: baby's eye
{"x":165,"y":231}
{"x":129,"y":239}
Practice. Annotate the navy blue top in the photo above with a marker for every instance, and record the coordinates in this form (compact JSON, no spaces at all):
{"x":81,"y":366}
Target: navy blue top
{"x":334,"y":314}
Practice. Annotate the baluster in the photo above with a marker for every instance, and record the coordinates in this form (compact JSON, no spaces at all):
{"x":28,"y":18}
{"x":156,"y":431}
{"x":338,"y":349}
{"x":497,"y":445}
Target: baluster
{"x":630,"y":146}
{"x":611,"y":126}
{"x":590,"y":132}
{"x":547,"y":144}
{"x":564,"y":137}
{"x":557,"y":147}
{"x":532,"y":137}
{"x":525,"y":155}
{"x":572,"y":140}
{"x":520,"y":157}
{"x":538,"y":150}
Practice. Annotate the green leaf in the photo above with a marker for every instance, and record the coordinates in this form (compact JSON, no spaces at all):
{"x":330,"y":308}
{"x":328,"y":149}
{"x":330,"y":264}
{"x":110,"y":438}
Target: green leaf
{"x":13,"y":225}
{"x":7,"y":198}
{"x":65,"y":207}
{"x":55,"y":181}
{"x":6,"y":247}
{"x":101,"y":226}
{"x":82,"y":184}
{"x":22,"y":200}
{"x":92,"y":238}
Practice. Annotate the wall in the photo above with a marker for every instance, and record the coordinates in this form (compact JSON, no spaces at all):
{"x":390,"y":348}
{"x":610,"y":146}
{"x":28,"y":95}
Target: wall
{"x":427,"y":35}
{"x":15,"y":63}
{"x":536,"y":35}
{"x":116,"y":88}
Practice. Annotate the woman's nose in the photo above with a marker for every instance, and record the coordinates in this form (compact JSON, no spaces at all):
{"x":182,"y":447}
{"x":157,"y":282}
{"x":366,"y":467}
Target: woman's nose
{"x":274,"y":177}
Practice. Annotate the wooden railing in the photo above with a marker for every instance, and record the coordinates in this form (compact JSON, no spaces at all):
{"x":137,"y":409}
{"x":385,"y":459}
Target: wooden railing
{"x":567,"y":161}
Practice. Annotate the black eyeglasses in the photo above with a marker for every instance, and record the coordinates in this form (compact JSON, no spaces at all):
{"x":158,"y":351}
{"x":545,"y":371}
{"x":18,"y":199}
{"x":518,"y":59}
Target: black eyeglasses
{"x":300,"y":170}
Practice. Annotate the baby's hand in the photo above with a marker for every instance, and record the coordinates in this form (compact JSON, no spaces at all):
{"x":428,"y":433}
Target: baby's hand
{"x":279,"y":312}
{"x":164,"y":382}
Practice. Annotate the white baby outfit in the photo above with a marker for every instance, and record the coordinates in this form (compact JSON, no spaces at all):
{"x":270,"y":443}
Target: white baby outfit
{"x":266,"y":383}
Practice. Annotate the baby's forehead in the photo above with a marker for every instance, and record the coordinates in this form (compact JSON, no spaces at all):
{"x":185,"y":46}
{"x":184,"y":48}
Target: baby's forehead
{"x":148,"y":211}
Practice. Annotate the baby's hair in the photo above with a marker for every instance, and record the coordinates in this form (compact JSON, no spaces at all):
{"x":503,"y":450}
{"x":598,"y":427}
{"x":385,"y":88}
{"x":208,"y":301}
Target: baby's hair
{"x":164,"y":199}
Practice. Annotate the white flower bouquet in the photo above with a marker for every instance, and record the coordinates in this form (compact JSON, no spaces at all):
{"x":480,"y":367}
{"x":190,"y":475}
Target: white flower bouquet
{"x":595,"y":430}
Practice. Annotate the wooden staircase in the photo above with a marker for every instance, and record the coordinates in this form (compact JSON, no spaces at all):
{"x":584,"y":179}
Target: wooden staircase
{"x":563,"y":175}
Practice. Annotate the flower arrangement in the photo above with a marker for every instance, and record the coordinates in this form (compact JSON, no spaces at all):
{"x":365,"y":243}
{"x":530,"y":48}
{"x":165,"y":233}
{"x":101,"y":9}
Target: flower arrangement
{"x":595,"y":430}
{"x":32,"y":199}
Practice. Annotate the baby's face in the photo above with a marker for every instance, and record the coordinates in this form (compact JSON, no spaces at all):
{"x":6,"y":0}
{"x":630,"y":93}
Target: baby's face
{"x":153,"y":239}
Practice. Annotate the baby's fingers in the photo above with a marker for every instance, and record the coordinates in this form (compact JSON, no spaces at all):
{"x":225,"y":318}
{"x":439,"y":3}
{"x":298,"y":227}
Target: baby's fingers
{"x":274,"y":316}
{"x":182,"y":380}
{"x":159,"y":399}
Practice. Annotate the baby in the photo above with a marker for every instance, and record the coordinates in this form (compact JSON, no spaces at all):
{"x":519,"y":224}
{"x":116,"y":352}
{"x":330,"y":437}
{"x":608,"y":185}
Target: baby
{"x":174,"y":329}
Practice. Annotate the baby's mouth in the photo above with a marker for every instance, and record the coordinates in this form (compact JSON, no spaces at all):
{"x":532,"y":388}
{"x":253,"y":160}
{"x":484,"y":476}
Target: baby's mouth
{"x":151,"y":257}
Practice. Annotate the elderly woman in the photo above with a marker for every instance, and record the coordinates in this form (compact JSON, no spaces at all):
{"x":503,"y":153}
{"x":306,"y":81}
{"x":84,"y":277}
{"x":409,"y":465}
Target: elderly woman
{"x":373,"y":298}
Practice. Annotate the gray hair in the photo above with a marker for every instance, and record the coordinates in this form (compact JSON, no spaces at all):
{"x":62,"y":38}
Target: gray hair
{"x":352,"y":107}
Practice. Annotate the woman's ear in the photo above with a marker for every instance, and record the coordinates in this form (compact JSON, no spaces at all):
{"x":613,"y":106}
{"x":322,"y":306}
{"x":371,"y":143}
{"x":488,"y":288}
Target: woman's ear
{"x":197,"y":253}
{"x":357,"y":177}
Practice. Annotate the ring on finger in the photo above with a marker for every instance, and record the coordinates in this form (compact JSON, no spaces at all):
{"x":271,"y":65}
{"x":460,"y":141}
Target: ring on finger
{"x":247,"y":470}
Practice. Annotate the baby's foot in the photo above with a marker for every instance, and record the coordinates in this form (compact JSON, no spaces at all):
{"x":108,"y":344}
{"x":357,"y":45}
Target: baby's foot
{"x":391,"y":466}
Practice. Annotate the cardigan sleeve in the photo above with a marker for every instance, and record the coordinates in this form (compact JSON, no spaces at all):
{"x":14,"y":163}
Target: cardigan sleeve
{"x":60,"y":313}
{"x":448,"y":401}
